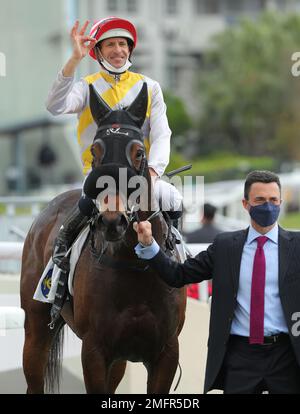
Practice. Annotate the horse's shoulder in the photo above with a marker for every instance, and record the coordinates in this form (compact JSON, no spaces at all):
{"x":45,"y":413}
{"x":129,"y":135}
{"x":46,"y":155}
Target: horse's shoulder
{"x":66,"y":198}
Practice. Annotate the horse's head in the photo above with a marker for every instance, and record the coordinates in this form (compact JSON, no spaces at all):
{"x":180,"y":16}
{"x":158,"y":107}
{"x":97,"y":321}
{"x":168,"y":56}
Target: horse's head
{"x":118,"y":155}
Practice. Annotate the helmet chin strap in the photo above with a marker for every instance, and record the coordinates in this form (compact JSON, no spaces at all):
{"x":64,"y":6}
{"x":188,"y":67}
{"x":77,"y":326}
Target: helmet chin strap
{"x":112,"y":69}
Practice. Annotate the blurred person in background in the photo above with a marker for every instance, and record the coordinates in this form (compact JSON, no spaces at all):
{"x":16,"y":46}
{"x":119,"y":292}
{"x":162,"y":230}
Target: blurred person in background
{"x":111,"y":42}
{"x":208,"y":231}
{"x":206,"y":234}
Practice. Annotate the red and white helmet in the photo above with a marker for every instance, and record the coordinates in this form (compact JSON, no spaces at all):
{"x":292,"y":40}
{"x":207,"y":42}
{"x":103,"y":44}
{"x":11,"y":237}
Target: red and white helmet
{"x":112,"y":27}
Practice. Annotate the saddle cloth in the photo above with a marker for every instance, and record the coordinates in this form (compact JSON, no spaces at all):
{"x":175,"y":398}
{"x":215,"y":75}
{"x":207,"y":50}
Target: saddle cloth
{"x":47,"y":286}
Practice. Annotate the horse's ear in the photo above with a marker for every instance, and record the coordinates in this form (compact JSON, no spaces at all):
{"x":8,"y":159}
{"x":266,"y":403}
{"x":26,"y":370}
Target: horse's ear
{"x":98,"y":106}
{"x":138,"y":108}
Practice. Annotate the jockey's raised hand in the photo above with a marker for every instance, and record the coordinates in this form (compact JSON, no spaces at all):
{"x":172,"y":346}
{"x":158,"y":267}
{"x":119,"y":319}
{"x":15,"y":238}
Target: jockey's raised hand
{"x":144,"y":232}
{"x":82,"y":44}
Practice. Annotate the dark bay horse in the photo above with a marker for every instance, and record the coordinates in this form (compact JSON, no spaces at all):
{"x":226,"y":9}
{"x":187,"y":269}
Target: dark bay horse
{"x":120,"y":309}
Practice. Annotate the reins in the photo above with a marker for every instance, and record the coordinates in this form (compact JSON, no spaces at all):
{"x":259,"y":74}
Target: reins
{"x":107,"y":260}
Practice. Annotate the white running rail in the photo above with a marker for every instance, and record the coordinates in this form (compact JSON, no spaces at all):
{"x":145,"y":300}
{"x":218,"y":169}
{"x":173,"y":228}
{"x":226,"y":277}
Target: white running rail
{"x":13,"y":251}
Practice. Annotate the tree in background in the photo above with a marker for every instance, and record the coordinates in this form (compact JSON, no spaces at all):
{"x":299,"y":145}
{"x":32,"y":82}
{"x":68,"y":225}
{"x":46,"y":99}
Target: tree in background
{"x":179,"y":120}
{"x":250,"y":101}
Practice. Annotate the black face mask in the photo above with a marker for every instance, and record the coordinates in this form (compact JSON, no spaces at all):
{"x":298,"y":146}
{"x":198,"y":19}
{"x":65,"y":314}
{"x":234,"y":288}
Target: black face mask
{"x":265,"y":214}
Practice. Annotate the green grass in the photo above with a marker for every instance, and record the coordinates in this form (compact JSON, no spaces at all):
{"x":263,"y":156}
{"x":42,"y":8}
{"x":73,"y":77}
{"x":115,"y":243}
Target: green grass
{"x":222,"y":166}
{"x":291,"y":221}
{"x":20,"y":211}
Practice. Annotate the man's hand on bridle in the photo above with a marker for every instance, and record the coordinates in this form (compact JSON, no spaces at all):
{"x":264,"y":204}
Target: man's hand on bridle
{"x":144,"y":232}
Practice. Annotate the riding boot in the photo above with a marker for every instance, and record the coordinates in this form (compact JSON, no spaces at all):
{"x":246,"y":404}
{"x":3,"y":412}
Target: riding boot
{"x":70,"y":229}
{"x":175,"y":223}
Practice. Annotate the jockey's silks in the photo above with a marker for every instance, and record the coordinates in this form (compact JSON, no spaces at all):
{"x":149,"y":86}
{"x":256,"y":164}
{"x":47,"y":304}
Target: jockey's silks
{"x":118,"y":94}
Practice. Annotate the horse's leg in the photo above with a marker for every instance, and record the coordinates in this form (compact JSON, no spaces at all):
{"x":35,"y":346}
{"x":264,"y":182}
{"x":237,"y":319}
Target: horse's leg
{"x":38,"y":338}
{"x":116,"y":374}
{"x":162,"y":371}
{"x":95,"y":368}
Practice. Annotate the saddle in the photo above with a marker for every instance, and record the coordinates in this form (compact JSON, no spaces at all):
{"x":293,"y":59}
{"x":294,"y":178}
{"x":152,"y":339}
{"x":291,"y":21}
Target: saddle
{"x":56,"y":286}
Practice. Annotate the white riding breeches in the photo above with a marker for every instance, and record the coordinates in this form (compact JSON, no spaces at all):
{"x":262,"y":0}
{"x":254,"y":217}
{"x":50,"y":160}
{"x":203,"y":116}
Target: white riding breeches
{"x":167,"y":195}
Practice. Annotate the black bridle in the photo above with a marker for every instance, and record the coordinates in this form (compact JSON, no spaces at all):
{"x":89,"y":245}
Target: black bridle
{"x":131,"y":135}
{"x":127,"y":135}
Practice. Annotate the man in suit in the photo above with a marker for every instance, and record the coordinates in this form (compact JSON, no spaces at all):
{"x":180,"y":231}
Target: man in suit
{"x":253,"y":344}
{"x":208,"y":231}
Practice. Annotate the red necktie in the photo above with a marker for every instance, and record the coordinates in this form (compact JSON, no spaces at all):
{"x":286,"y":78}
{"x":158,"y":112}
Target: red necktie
{"x":257,"y":306}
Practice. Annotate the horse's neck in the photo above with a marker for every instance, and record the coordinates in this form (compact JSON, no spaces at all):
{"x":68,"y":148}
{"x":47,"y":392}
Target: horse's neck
{"x":121,"y":249}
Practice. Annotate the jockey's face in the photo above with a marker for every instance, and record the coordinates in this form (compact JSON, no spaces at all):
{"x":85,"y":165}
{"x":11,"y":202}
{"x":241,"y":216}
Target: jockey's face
{"x":115,"y":50}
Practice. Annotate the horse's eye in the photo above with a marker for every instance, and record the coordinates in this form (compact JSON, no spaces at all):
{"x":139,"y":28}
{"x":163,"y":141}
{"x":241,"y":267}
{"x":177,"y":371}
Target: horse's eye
{"x":98,"y":150}
{"x":139,"y":154}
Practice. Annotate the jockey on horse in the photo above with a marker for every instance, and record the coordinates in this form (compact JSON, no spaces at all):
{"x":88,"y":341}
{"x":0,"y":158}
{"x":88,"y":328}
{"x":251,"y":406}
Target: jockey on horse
{"x":111,"y":42}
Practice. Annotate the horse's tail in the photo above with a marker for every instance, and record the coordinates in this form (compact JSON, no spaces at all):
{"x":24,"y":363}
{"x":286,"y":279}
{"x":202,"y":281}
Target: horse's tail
{"x":54,"y":364}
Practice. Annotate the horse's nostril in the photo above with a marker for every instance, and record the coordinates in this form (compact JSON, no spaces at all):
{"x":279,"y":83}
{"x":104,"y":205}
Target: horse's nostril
{"x":113,"y":226}
{"x":118,"y":219}
{"x":100,"y":220}
{"x":104,"y":220}
{"x":110,"y":220}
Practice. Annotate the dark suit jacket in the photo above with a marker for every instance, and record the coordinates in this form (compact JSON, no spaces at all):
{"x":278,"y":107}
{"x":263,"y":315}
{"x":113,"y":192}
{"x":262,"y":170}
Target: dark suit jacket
{"x":221,"y":262}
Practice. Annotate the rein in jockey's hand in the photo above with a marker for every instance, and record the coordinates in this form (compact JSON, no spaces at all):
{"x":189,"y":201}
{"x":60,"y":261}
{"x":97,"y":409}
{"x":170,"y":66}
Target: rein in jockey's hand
{"x":144,"y":232}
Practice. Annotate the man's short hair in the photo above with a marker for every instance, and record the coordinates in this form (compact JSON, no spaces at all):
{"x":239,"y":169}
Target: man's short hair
{"x":260,"y":177}
{"x":209,"y":211}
